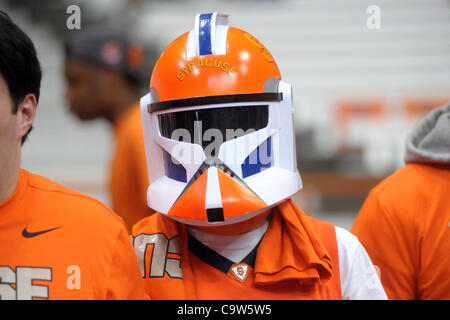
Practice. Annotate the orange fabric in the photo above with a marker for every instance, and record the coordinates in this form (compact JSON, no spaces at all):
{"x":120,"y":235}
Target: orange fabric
{"x":166,"y":287}
{"x":177,"y":77}
{"x":301,"y":255}
{"x":404,"y":226}
{"x":292,"y":262}
{"x":129,"y":177}
{"x":87,"y":256}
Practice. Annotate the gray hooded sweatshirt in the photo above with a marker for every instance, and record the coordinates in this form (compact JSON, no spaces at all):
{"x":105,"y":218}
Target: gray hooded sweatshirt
{"x":429,"y":141}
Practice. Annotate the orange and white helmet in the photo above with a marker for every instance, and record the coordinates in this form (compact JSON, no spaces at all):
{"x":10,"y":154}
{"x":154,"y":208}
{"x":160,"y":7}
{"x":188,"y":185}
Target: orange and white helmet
{"x":218,"y":127}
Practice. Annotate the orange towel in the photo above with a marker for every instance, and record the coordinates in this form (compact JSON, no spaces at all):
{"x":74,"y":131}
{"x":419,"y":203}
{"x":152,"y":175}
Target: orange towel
{"x":291,"y":249}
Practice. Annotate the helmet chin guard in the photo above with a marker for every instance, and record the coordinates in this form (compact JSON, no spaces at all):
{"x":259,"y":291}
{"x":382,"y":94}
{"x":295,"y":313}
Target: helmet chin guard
{"x":218,"y":128}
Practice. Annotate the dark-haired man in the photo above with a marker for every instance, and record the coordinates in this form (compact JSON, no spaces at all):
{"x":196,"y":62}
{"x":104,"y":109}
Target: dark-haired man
{"x":102,"y":71}
{"x":54,"y":243}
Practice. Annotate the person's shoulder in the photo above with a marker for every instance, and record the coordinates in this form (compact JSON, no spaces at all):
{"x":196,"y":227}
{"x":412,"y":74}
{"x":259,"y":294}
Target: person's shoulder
{"x":350,"y":249}
{"x":81,"y":206}
{"x":392,"y":180}
{"x":346,"y":239}
{"x":428,"y":172}
{"x":320,"y":225}
{"x":412,"y":173}
{"x":409,"y":181}
{"x":128,"y":128}
{"x":156,"y":223}
{"x":132,"y":118}
{"x":397,"y":186}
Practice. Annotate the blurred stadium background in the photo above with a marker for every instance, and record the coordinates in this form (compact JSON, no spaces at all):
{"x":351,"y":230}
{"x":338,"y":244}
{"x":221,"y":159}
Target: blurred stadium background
{"x":357,"y":91}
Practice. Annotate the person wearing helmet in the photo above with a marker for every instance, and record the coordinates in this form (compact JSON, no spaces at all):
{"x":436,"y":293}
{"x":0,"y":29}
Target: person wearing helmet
{"x":102,"y":75}
{"x":219,"y":139}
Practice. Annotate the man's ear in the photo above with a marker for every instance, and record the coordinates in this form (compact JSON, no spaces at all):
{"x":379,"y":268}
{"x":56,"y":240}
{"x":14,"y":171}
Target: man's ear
{"x":26,"y":112}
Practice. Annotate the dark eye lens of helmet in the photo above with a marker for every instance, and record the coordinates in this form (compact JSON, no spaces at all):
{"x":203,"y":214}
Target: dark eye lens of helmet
{"x":198,"y":125}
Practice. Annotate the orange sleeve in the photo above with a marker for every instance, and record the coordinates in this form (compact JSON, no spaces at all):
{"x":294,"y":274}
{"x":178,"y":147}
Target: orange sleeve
{"x":124,"y":279}
{"x":141,"y":167}
{"x":389,"y":242}
{"x":129,"y":176}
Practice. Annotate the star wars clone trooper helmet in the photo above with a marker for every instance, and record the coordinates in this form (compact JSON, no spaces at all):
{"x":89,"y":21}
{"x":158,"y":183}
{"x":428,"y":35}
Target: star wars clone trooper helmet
{"x":218,"y":127}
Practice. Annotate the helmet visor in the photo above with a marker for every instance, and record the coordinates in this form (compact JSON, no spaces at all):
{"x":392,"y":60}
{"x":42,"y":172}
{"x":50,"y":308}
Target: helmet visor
{"x":199,"y":124}
{"x":231,"y":122}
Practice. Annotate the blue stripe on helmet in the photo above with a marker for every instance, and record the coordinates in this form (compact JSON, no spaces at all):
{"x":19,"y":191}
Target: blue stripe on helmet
{"x":259,"y":160}
{"x":204,"y":34}
{"x":174,"y":171}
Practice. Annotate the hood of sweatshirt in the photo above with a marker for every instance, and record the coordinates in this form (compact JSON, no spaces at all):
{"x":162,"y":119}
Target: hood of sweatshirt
{"x":429,"y":141}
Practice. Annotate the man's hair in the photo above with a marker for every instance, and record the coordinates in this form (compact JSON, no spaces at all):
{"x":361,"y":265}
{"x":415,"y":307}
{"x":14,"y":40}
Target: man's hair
{"x":19,"y":65}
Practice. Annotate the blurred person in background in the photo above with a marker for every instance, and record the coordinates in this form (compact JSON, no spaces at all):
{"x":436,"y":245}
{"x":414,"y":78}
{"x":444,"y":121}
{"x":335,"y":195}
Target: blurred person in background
{"x":225,"y":226}
{"x":54,"y":243}
{"x":102,"y":81}
{"x":404,"y":223}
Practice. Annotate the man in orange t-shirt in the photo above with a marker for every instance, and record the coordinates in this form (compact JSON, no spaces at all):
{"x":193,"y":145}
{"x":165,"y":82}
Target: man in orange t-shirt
{"x":219,"y":137}
{"x":404,"y":223}
{"x":54,"y":243}
{"x":102,"y":72}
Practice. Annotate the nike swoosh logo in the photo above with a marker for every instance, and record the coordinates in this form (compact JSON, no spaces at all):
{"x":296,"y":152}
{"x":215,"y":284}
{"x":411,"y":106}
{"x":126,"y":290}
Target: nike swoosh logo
{"x":27,"y":234}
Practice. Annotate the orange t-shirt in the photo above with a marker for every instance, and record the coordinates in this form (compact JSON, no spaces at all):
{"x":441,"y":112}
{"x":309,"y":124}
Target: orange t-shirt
{"x":59,"y":244}
{"x":129,"y":177}
{"x":296,"y":259}
{"x":404,"y":226}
